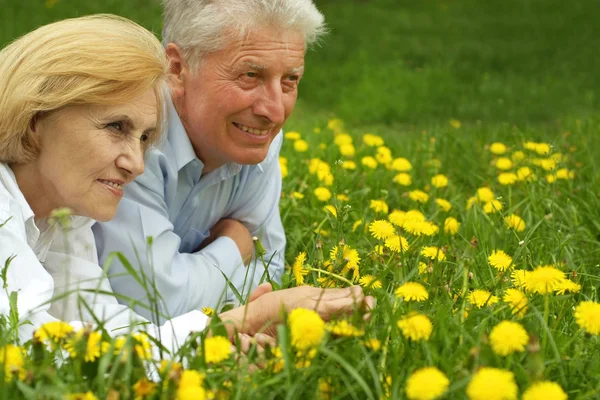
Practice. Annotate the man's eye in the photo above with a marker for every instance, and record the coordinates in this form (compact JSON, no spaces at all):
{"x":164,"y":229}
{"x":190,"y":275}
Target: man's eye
{"x":144,"y":137}
{"x":117,"y":126}
{"x":294,"y":78}
{"x":251,"y":74}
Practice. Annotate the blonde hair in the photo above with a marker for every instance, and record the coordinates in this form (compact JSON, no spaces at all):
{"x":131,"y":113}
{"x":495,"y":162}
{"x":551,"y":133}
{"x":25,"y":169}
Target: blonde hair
{"x":92,"y":60}
{"x":200,"y":27}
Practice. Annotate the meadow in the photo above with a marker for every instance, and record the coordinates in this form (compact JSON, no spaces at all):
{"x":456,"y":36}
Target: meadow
{"x":444,"y":156}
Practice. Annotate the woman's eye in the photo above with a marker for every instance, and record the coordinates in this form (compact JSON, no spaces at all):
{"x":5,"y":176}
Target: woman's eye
{"x":115,"y":126}
{"x":144,"y":137}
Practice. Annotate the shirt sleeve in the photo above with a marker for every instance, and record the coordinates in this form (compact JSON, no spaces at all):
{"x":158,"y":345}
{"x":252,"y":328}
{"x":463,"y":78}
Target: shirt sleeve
{"x":79,"y":281}
{"x":177,"y":282}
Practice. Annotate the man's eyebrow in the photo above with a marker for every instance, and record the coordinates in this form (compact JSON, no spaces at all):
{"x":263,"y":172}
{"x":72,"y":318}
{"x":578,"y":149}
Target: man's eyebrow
{"x":297,"y":69}
{"x":255,"y":66}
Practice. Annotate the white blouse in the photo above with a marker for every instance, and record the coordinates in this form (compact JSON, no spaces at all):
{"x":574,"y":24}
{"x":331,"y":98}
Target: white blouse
{"x":55,"y":272}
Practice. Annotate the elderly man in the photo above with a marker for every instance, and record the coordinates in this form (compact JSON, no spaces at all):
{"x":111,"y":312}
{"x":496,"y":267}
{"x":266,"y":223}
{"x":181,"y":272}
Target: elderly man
{"x":215,"y":182}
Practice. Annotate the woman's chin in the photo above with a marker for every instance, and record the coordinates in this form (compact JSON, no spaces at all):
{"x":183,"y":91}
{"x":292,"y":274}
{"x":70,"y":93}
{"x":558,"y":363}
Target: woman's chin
{"x":103,"y":215}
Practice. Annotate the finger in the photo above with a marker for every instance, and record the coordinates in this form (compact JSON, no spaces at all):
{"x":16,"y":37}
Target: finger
{"x":330,"y":309}
{"x":244,"y":342}
{"x":368,"y":306}
{"x":260,"y":290}
{"x":265,"y":340}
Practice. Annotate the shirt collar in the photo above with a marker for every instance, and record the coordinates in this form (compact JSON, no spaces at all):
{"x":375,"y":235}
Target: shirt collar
{"x":178,"y":139}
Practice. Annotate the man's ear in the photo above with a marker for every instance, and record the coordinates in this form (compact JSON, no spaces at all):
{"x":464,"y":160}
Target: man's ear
{"x":178,"y":68}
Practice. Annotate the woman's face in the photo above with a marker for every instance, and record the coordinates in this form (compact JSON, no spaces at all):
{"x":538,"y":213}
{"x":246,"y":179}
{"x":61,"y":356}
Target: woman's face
{"x":88,"y":153}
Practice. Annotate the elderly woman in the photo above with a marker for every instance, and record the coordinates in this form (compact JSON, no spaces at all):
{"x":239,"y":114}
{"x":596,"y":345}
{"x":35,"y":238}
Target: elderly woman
{"x":80,"y":101}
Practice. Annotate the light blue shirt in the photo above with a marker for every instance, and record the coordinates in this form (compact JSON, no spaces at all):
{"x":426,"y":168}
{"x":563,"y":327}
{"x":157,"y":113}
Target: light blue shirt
{"x":176,"y":206}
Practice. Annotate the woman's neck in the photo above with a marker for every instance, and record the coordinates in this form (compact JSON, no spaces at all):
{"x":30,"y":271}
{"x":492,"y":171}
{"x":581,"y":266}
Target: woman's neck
{"x":29,"y":182}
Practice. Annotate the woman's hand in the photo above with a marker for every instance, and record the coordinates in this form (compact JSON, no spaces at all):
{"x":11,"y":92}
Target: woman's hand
{"x":263,"y":311}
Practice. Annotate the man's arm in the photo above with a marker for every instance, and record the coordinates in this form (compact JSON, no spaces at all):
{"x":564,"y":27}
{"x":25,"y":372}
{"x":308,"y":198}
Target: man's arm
{"x":184,"y":281}
{"x":258,"y":209}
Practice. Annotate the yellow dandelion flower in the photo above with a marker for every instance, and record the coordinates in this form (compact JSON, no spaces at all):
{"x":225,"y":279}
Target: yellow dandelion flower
{"x":373,"y":344}
{"x":548,"y":164}
{"x":542,"y":148}
{"x":401,"y":165}
{"x":443,"y":204}
{"x":190,"y":379}
{"x":306,"y":328}
{"x":322,"y":194}
{"x":545,"y":390}
{"x":418,"y":196}
{"x":379,"y":249}
{"x":525,"y":174}
{"x":330,"y":209}
{"x":587,"y":316}
{"x":342,"y":139}
{"x":508,"y":337}
{"x":422,"y":268}
{"x":403,"y":179}
{"x":472,"y":200}
{"x":381,"y":229}
{"x":500,"y":260}
{"x":369,"y":162}
{"x":342,"y":197}
{"x":504,"y":163}
{"x":563,"y":173}
{"x":455,"y":123}
{"x":550,"y":178}
{"x":379,"y":206}
{"x":12,"y":358}
{"x":82,"y":396}
{"x":492,"y":206}
{"x":383,"y":155}
{"x":297,"y":195}
{"x":567,"y":285}
{"x":451,"y":225}
{"x":356,"y":224}
{"x":439,"y":181}
{"x":433,"y":253}
{"x":480,"y":298}
{"x":94,"y":347}
{"x":349,"y":165}
{"x":369,"y":281}
{"x":415,"y":327}
{"x":216,"y":349}
{"x":283,"y":167}
{"x":518,"y":156}
{"x":144,"y":388}
{"x":517,"y":301}
{"x":315,"y":165}
{"x":544,"y":279}
{"x":519,"y":277}
{"x":412,"y":291}
{"x":529,"y":145}
{"x":397,"y":218}
{"x":492,"y":384}
{"x":485,"y":194}
{"x":300,"y":146}
{"x":53,"y":331}
{"x":347,"y":150}
{"x":191,"y":393}
{"x":209,"y":312}
{"x":343,"y":328}
{"x":507,"y":178}
{"x":515,"y":222}
{"x":349,"y":255}
{"x":142,"y":345}
{"x":325,"y":177}
{"x":293,"y":135}
{"x":427,"y":383}
{"x":299,"y":269}
{"x":396,"y":243}
{"x":498,"y":148}
{"x":372,"y":140}
{"x":415,"y":215}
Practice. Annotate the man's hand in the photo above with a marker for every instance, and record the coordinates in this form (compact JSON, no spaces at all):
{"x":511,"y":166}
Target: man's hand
{"x":263,"y":313}
{"x":235,"y":230}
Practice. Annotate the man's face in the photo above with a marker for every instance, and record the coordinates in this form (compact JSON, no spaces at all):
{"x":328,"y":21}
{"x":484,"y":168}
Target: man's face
{"x":238,"y":100}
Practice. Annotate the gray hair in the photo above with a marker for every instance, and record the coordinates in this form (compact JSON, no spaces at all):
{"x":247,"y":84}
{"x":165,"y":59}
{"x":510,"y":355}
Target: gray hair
{"x":200,"y":27}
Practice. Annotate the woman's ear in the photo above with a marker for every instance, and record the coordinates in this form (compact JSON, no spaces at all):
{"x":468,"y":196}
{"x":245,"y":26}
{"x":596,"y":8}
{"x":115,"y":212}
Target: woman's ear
{"x":177,"y":70}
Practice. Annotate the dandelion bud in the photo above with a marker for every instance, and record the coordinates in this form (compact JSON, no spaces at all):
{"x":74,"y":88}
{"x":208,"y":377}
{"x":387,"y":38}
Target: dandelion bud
{"x":259,"y":249}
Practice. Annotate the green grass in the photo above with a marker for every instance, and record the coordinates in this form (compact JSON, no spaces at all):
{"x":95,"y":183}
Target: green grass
{"x":510,"y":72}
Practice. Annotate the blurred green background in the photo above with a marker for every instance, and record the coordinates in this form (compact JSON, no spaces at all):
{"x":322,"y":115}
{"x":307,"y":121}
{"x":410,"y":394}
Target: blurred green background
{"x":388,"y":62}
